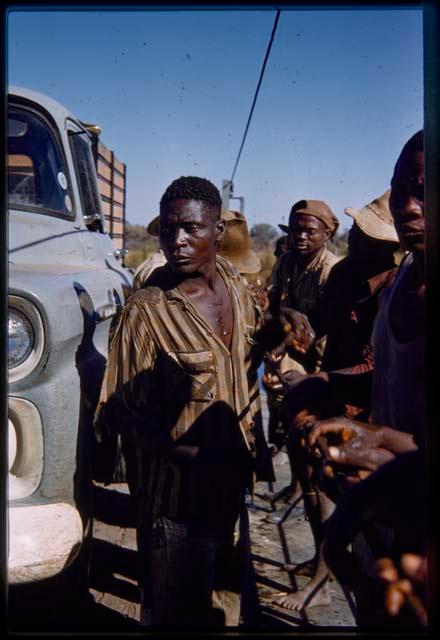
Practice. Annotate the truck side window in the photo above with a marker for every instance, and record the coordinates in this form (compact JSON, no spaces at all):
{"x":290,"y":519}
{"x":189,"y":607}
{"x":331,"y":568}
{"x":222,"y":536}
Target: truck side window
{"x":37,"y":178}
{"x":87,"y":179}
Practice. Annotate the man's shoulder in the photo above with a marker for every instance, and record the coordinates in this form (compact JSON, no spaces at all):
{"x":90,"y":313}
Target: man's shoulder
{"x":231,"y":273}
{"x":146,"y":268}
{"x":147,"y":295}
{"x":153,"y":289}
{"x":228,"y":268}
{"x":341,"y":268}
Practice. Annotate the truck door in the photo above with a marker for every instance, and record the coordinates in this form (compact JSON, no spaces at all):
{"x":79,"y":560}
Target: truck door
{"x":105,"y":279}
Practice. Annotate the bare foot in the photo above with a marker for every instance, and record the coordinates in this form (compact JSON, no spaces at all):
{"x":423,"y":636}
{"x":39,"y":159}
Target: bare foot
{"x":304,"y":598}
{"x":302,"y":569}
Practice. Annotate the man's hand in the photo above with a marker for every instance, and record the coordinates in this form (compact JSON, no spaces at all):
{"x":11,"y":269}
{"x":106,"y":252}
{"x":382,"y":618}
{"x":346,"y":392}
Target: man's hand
{"x":272,"y":382}
{"x":406,"y":583}
{"x":299,"y":332}
{"x":292,"y":378}
{"x":348,"y":443}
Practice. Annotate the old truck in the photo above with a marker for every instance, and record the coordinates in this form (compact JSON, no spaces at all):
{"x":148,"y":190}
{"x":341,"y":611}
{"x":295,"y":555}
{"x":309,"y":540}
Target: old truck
{"x":66,"y":284}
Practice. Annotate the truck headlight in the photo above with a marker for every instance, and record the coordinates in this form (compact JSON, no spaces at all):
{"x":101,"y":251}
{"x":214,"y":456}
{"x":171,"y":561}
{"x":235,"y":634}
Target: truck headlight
{"x":25,"y":337}
{"x":21,"y":338}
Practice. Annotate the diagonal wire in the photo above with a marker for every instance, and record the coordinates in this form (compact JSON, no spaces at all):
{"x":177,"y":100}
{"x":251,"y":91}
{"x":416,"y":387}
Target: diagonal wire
{"x":277,"y":17}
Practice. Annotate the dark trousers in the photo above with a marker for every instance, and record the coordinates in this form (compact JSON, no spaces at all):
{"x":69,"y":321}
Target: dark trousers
{"x":194,"y":581}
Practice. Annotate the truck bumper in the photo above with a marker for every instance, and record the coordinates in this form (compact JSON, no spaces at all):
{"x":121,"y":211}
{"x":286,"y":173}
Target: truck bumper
{"x":43,"y":540}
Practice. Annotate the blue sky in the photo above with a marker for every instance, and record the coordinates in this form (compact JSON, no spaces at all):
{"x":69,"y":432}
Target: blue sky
{"x":171,"y":91}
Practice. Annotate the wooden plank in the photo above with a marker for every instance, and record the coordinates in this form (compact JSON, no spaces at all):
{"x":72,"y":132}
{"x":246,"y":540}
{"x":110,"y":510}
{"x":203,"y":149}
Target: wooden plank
{"x":118,"y":196}
{"x":106,"y":225}
{"x":104,"y":152}
{"x":118,"y":227}
{"x":106,"y":207}
{"x":119,"y":181}
{"x":118,"y":211}
{"x":118,"y":165}
{"x":104,"y":171}
{"x":104,"y":188}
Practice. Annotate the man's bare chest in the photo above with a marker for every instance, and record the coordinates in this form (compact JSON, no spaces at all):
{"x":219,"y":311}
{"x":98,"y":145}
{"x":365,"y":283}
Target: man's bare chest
{"x":215,"y":307}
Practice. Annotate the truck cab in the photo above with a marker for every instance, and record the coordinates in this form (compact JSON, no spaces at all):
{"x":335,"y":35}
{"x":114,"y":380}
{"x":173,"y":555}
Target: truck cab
{"x":66,"y":286}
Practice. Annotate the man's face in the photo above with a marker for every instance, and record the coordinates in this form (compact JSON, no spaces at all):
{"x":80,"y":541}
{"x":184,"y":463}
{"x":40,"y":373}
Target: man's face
{"x":189,"y":231}
{"x":407,"y":201}
{"x":307,"y":234}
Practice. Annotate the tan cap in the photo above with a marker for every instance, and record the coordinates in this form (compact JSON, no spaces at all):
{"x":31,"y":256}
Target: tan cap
{"x":375,"y":219}
{"x":317,"y":208}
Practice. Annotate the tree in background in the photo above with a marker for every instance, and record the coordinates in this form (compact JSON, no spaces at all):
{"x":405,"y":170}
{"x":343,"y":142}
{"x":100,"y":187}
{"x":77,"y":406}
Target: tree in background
{"x":263,"y":237}
{"x":139,"y":243}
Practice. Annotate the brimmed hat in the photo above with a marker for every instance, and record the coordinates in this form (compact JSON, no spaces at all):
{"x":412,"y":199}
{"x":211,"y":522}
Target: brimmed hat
{"x":153,"y":226}
{"x":375,"y":219}
{"x":236,"y":244}
{"x":317,"y":208}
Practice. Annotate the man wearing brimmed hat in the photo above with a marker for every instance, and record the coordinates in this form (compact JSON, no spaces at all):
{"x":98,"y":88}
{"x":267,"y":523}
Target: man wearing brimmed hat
{"x":348,"y":308}
{"x":351,"y":297}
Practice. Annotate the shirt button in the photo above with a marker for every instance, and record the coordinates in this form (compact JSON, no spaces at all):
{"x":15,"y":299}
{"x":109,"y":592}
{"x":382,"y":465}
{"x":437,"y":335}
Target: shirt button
{"x":209,"y":395}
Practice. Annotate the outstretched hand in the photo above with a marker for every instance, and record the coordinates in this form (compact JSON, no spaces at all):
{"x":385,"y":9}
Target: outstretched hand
{"x":346,"y":442}
{"x":299,"y":333}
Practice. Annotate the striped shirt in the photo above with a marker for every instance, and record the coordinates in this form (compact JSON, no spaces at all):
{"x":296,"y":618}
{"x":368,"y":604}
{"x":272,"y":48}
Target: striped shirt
{"x":171,"y":379}
{"x":146,"y":268}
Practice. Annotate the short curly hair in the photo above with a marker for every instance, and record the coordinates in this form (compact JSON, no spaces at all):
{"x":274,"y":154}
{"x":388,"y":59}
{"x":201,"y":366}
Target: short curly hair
{"x":193,"y":188}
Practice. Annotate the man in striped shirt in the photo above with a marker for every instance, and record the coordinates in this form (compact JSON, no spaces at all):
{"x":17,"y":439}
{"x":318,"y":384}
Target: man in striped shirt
{"x":181,"y":379}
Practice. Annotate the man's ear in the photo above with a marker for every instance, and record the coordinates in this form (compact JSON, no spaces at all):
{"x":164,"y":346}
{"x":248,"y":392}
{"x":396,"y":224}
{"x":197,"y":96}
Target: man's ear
{"x":220,"y":229}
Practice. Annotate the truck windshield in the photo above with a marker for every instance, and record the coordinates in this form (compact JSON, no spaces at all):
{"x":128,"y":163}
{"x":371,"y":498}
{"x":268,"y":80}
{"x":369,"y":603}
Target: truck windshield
{"x":37,"y":178}
{"x":87,"y":179}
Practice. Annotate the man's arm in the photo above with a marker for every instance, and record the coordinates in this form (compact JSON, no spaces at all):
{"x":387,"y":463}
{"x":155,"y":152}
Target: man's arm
{"x":125,"y":404}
